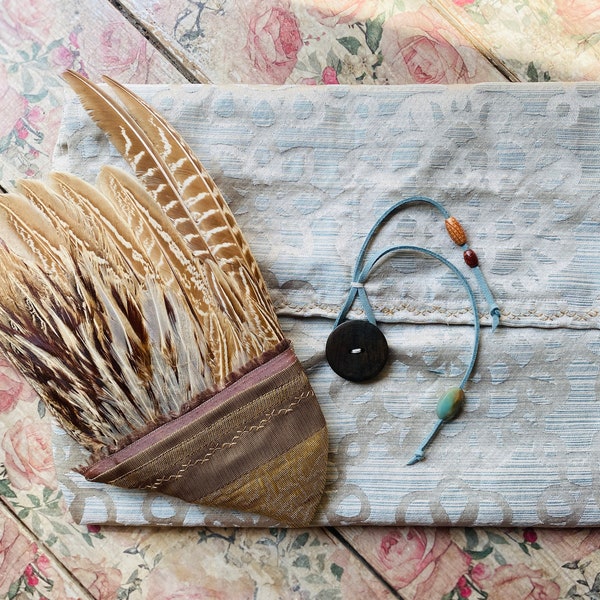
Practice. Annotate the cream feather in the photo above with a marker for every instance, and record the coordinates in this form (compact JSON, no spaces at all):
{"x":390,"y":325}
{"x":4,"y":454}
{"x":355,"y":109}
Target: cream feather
{"x":39,"y":240}
{"x":129,"y":301}
{"x":205,"y":203}
{"x":137,"y":149}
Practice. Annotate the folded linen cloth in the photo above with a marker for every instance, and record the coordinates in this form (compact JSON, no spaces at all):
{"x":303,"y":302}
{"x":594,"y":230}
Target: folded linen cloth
{"x":307,"y":171}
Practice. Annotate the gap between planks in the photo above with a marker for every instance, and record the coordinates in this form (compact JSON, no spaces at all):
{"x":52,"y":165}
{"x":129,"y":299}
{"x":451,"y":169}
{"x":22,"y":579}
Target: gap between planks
{"x":449,"y":15}
{"x":179,"y":61}
{"x":7,"y":513}
{"x":337,"y":536}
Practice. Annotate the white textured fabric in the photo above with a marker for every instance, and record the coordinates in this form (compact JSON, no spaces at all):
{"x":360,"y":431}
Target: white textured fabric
{"x":307,"y":172}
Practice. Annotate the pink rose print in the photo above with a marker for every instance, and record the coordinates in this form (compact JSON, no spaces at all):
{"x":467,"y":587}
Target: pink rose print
{"x":62,"y":57}
{"x":416,"y":49}
{"x":463,"y":2}
{"x":27,"y":19}
{"x":529,"y":535}
{"x":410,"y":555}
{"x":519,"y":582}
{"x":43,"y":564}
{"x":115,"y":49}
{"x":178,"y":578}
{"x":405,"y":553}
{"x":329,"y":76}
{"x":16,"y":552}
{"x":31,"y":577}
{"x":580,"y":17}
{"x":273,"y":42}
{"x":101,"y":581}
{"x":336,"y":12}
{"x":13,"y":388}
{"x":463,"y":587}
{"x":479,"y":572}
{"x":28,"y":455}
{"x":570,"y":545}
{"x":440,"y":581}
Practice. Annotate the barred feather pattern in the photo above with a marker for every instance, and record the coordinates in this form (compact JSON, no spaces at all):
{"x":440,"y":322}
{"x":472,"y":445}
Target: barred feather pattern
{"x":127,"y":302}
{"x":176,"y":178}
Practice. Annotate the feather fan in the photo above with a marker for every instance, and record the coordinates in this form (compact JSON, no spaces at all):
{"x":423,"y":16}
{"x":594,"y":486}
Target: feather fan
{"x":138,"y":313}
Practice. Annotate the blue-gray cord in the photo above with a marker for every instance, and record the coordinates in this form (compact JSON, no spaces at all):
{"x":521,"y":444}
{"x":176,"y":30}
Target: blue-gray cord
{"x":450,"y":404}
{"x":494,"y":310}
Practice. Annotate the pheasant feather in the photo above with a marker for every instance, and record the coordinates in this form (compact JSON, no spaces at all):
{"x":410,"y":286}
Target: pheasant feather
{"x":202,"y":197}
{"x":136,"y":310}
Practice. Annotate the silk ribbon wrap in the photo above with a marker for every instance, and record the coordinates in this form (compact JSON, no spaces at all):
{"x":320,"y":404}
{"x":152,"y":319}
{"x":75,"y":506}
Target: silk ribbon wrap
{"x":259,"y":445}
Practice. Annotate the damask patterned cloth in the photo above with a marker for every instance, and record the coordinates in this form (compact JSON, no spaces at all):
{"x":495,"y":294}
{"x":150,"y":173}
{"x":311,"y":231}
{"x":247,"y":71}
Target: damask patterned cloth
{"x":307,"y":171}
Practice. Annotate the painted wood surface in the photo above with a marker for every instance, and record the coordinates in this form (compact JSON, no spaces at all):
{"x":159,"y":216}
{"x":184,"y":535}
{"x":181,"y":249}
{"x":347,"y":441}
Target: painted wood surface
{"x":43,"y":553}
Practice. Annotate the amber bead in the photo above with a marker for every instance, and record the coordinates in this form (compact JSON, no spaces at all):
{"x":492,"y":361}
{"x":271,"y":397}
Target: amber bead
{"x":456,"y":231}
{"x":471,"y":258}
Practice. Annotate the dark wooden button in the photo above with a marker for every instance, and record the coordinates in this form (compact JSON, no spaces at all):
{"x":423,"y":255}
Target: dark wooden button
{"x":356,"y":350}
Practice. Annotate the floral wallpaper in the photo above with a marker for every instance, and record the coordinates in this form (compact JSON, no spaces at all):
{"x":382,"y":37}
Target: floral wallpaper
{"x":43,"y":553}
{"x":37,"y":43}
{"x":534,"y":41}
{"x":353,"y":42}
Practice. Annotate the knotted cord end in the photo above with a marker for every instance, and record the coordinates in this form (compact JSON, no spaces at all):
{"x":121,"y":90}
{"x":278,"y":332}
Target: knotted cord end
{"x":495,"y":313}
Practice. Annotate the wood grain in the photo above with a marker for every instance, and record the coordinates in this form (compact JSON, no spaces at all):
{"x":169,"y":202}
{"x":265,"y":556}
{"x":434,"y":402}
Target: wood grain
{"x":41,"y":550}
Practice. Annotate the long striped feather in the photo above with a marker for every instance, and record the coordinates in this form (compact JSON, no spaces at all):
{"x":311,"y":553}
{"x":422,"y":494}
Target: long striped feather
{"x":204,"y":200}
{"x":197,"y":188}
{"x":138,"y":150}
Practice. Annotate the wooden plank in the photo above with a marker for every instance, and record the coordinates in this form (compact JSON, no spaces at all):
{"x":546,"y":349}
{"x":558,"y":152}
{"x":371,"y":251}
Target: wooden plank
{"x":28,"y":569}
{"x":94,"y":37}
{"x":401,"y":41}
{"x":37,"y":43}
{"x":545,"y":40}
{"x":425,"y":563}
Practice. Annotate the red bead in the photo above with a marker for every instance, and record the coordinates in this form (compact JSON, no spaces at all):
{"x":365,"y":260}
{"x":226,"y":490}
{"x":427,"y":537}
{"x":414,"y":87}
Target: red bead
{"x":471,"y":258}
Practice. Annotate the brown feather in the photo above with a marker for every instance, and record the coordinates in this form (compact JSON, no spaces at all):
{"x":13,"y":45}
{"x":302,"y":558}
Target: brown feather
{"x":127,"y":301}
{"x":23,"y":221}
{"x":137,"y":149}
{"x":91,"y":218}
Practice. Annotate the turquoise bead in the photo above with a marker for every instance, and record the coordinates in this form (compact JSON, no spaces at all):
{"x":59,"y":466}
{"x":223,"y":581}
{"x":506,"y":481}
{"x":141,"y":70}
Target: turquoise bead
{"x":450,"y":404}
